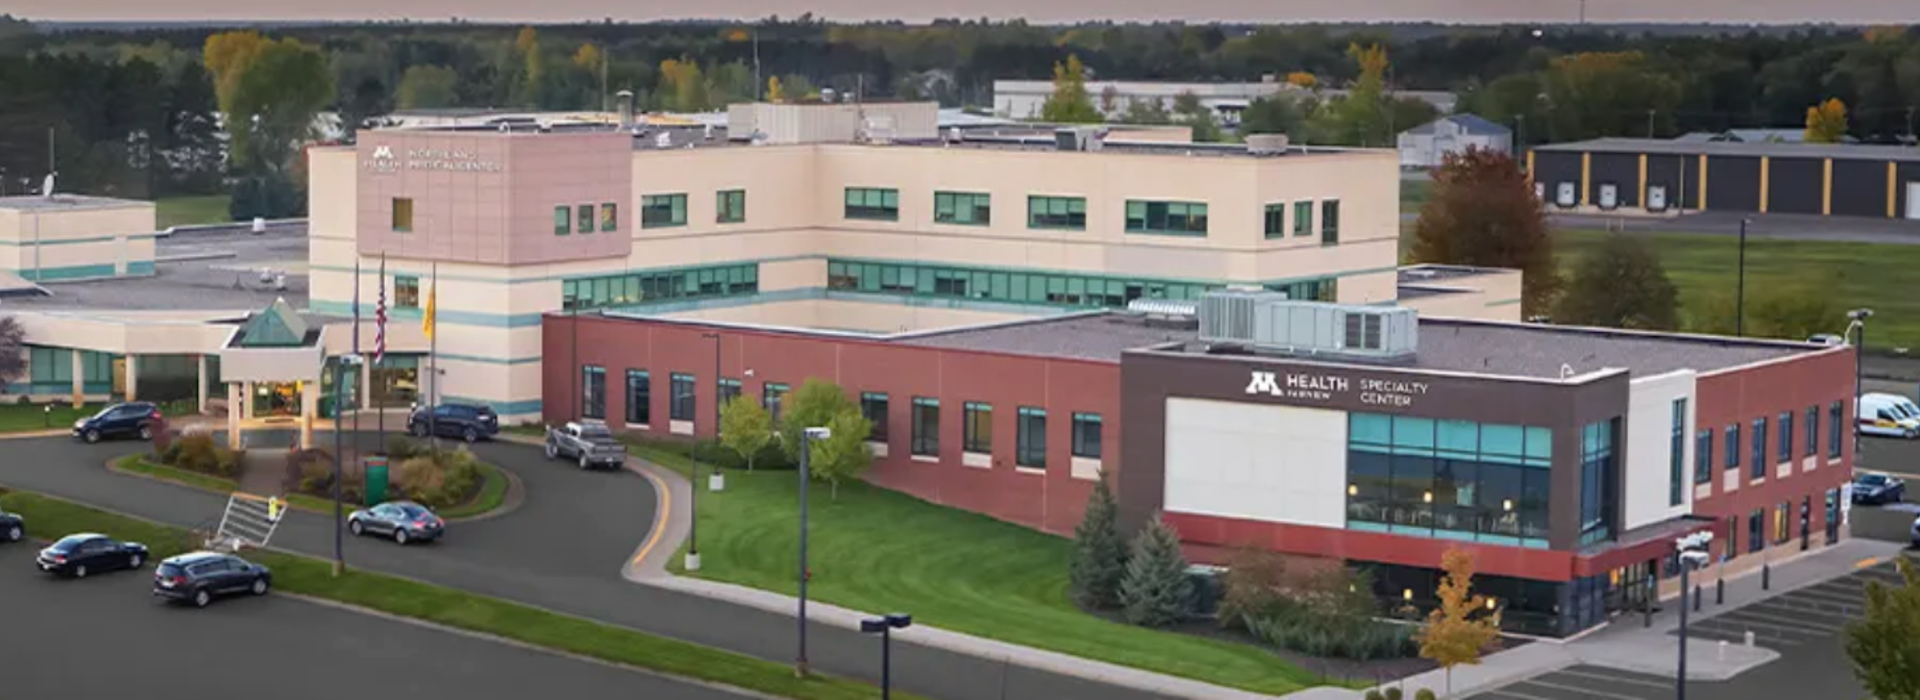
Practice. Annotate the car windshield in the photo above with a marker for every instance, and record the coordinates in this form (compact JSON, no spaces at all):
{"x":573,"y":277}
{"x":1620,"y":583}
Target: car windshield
{"x":1873,"y":480}
{"x":414,"y":512}
{"x":68,"y":543}
{"x":170,"y":570}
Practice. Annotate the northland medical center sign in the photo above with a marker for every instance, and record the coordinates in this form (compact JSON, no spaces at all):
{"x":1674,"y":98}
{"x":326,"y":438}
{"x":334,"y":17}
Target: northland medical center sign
{"x":1323,"y":387}
{"x":385,"y":160}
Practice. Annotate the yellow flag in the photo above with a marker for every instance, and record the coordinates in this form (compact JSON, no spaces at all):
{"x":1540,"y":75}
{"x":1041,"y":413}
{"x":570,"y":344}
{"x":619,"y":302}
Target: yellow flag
{"x":426,"y":322}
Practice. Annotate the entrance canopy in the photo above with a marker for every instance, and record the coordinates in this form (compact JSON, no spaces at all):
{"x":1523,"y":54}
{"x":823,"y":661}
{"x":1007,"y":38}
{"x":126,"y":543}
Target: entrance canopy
{"x":275,"y":346}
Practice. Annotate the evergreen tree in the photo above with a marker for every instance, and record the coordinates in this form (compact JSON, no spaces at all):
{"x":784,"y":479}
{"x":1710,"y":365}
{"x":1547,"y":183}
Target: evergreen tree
{"x":1155,"y":590}
{"x":1099,"y":556}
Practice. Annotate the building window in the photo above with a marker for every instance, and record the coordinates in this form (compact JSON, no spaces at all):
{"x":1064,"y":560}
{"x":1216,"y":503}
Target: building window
{"x":1757,"y":465}
{"x":1030,"y":438}
{"x":1303,"y":218}
{"x":1813,"y":431}
{"x":1597,"y":467}
{"x":1049,"y":289}
{"x":873,"y":204}
{"x":963,"y":208}
{"x":1756,"y":540}
{"x":680,"y":397}
{"x":1733,"y":446}
{"x":1677,"y":459}
{"x":1167,"y":218}
{"x":1786,"y":436}
{"x":1276,"y":220}
{"x":661,"y":285}
{"x":1452,"y":479}
{"x":1733,"y":538}
{"x":663,"y":210}
{"x":730,"y":206}
{"x":727,"y":391}
{"x":583,"y":221}
{"x":406,"y":292}
{"x":639,"y":397}
{"x":1086,"y":435}
{"x":873,"y":406}
{"x":402,"y":214}
{"x":609,"y":217}
{"x":593,"y":392}
{"x":926,"y":427}
{"x":1057,"y":212}
{"x":1330,"y":222}
{"x":1782,"y":522}
{"x":1703,"y":456}
{"x":976,"y":427}
{"x":562,"y":220}
{"x":1834,"y":414}
{"x":772,"y":396}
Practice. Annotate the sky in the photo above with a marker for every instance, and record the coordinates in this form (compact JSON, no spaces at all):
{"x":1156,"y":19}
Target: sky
{"x":1459,"y":11}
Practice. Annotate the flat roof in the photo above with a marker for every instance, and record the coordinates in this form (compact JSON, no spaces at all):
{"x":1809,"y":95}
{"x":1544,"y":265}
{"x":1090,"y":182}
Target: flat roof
{"x":1415,"y":274}
{"x":1047,"y":142}
{"x":1092,"y":336}
{"x":202,"y":270}
{"x":65,"y":202}
{"x":1737,"y":148}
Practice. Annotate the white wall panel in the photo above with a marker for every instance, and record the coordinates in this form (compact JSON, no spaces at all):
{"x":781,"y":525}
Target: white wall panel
{"x":1273,"y":463}
{"x":1648,"y":466}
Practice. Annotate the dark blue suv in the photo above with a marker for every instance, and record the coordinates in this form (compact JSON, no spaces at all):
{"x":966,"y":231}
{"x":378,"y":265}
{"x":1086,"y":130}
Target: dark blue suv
{"x":132,"y":419}
{"x":197,"y":578}
{"x":469,"y":423}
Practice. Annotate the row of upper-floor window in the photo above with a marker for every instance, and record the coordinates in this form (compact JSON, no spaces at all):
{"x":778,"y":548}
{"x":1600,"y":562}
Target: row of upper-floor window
{"x":660,"y":285}
{"x":1033,"y":287}
{"x":1759,"y":451}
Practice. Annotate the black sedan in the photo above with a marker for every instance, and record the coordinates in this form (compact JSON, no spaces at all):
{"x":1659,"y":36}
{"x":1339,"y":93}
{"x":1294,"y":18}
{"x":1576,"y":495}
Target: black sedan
{"x":404,"y":521}
{"x":80,"y":555}
{"x":12,"y":527}
{"x":1874,"y":488}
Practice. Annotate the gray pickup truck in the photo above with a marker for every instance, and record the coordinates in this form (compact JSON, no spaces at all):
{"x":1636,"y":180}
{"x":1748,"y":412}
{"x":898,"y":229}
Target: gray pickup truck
{"x":589,"y":442}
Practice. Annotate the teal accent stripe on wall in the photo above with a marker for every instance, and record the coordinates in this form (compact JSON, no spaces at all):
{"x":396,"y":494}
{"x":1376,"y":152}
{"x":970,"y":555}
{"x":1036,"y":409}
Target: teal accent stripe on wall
{"x":29,"y":242}
{"x":1503,"y":302}
{"x":344,"y":309}
{"x":52,"y":274}
{"x":143,"y":268}
{"x":488,"y":360}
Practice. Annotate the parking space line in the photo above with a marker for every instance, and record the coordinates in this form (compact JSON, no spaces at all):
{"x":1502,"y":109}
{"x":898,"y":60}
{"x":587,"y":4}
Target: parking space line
{"x":1611,"y":679}
{"x":1503,"y":692}
{"x":1805,"y":605}
{"x":1784,"y":627}
{"x":1855,"y":597}
{"x":1578,"y":689}
{"x":1782,"y":620}
{"x":1739,"y":634}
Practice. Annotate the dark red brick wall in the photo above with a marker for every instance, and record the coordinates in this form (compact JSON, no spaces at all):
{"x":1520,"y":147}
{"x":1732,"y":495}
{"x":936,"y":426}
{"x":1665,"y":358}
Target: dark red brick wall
{"x":1210,"y":538}
{"x":1742,"y":395}
{"x":1053,"y":502}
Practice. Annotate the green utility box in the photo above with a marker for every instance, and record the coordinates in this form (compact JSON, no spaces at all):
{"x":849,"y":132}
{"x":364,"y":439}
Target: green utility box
{"x":376,"y":480}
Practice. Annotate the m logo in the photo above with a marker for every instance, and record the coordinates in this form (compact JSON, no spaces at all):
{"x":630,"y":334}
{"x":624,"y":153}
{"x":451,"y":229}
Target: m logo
{"x":383,"y":153}
{"x":1263,"y":382}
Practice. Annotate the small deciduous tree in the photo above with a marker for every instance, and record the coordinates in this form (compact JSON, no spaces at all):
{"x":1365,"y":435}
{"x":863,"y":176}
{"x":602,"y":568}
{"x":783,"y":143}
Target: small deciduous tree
{"x":775,"y":91}
{"x":1462,"y":626}
{"x":844,"y":454}
{"x":1482,"y":211}
{"x":813,"y":405}
{"x":1146,"y":111}
{"x":745,"y":427}
{"x":1070,"y":103}
{"x":1827,"y":122}
{"x":13,"y":351}
{"x":1198,"y":116}
{"x":1099,"y":554}
{"x":1303,"y":79}
{"x":1620,"y":285}
{"x":1884,"y":650}
{"x":1156,"y":591}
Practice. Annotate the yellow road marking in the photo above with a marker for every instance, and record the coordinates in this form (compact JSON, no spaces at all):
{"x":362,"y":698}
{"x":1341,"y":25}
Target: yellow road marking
{"x":1866,"y":563}
{"x":666,"y":511}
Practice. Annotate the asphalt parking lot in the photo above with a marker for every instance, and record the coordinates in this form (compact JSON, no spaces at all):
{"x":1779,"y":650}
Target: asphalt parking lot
{"x":105,"y":636}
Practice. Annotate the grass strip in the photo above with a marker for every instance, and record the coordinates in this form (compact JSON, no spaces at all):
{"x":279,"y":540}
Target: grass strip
{"x":493,"y":487}
{"x":407,"y":598}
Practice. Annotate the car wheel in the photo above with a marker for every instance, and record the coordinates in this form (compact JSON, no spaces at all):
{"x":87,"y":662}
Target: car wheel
{"x":399,"y":535}
{"x":135,"y":561}
{"x":584,"y":464}
{"x":92,"y":436}
{"x":14,"y":533}
{"x":356,"y":528}
{"x":80,"y":571}
{"x":201,"y":598}
{"x":260,"y":586}
{"x":470,"y":435}
{"x":552,"y":452}
{"x":146,"y":432}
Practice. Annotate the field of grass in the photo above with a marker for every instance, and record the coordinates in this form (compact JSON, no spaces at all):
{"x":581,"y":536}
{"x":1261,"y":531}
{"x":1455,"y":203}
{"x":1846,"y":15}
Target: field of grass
{"x":187,"y":211}
{"x":1413,"y":193}
{"x":1855,"y":274}
{"x":493,"y":487}
{"x":459,"y":609}
{"x":20,"y":418}
{"x":880,"y":551}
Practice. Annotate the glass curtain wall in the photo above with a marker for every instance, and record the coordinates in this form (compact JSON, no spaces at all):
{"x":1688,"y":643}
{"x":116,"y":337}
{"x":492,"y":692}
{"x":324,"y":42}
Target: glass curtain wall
{"x":1449,"y":479}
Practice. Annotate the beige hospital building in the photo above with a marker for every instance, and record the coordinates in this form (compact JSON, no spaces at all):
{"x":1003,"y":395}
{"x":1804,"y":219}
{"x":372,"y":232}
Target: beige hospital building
{"x":855,"y":218}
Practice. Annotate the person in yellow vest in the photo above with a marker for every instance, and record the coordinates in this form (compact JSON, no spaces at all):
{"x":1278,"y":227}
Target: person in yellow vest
{"x":274,"y":508}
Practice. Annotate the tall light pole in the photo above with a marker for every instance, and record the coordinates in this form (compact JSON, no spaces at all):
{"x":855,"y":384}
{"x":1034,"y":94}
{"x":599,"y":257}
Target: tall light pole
{"x":1858,"y":325}
{"x":806,"y":458}
{"x":1740,"y":285}
{"x":884,"y":626}
{"x":339,"y":394}
{"x":718,"y":480}
{"x":1692,"y":551}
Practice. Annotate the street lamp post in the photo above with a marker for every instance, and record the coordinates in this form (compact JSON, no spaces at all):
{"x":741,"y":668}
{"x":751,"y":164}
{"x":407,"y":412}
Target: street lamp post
{"x":1740,"y":286}
{"x":806,"y":457}
{"x":1858,"y":324}
{"x":1693,"y":554}
{"x":884,"y":626}
{"x":339,"y":395}
{"x":717,"y":481}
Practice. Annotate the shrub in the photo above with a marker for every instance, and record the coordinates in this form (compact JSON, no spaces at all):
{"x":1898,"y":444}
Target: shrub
{"x":446,"y":481}
{"x":1155,"y":590}
{"x":401,"y":448}
{"x":1393,"y":692}
{"x":1374,"y":694}
{"x":1424,"y":694}
{"x":195,"y":453}
{"x":1252,"y":586}
{"x":1099,"y":554}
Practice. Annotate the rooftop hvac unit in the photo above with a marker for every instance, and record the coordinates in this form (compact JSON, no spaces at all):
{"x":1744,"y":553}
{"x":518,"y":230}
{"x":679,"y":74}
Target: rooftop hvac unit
{"x":826,"y":95}
{"x":1227,"y":317}
{"x":1164,"y":307}
{"x":663,"y":140}
{"x":1066,"y":139}
{"x":1271,"y":322}
{"x":1267,"y":144}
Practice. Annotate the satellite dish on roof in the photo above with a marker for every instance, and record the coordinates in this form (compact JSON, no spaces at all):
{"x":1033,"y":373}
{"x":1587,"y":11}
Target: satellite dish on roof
{"x":46,"y":187}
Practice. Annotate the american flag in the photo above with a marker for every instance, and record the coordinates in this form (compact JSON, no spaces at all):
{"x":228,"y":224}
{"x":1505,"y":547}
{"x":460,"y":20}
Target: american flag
{"x":380,"y":316}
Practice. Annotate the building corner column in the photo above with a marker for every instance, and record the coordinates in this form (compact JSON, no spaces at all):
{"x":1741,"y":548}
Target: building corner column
{"x":133,"y":377}
{"x":309,"y":408}
{"x":79,"y":379}
{"x":201,"y":384}
{"x":235,"y":400}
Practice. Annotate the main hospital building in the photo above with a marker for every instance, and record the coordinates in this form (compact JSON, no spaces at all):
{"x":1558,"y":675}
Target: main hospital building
{"x":1016,"y":312}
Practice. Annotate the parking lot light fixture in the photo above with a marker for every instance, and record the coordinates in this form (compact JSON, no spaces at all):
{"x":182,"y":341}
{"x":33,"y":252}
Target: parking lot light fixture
{"x":884,"y":626}
{"x":1692,"y":553}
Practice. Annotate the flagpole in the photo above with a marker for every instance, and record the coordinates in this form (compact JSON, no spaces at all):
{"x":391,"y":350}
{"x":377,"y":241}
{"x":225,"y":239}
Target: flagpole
{"x":433,"y":358}
{"x":380,"y":357}
{"x":360,"y":401}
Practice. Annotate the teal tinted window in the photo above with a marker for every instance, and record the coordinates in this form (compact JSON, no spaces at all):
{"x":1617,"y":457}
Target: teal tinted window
{"x":662,"y":285}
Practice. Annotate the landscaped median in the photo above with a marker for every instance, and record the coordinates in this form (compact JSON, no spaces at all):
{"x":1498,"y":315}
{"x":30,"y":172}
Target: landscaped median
{"x":491,"y":495}
{"x":878,"y":551}
{"x":397,"y":596}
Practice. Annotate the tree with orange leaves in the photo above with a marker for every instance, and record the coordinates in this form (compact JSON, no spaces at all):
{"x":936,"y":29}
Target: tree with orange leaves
{"x":1464,"y":624}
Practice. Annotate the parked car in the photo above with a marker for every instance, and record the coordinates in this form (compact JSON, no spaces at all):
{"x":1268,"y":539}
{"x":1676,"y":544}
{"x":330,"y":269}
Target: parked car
{"x":12,"y":527}
{"x":123,"y":420}
{"x":588,"y":442}
{"x":199,"y":577}
{"x":1875,"y":488}
{"x":1890,"y":415}
{"x":1827,"y":339}
{"x":404,"y":521}
{"x":1914,"y":534}
{"x":469,"y":423}
{"x":88,"y":553}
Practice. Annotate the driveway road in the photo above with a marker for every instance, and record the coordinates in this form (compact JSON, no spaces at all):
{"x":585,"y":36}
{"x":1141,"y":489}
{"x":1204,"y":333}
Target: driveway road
{"x":106,"y":637}
{"x":564,"y":550}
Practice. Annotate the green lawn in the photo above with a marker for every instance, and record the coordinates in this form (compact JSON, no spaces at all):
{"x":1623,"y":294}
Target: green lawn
{"x":455,"y":608}
{"x":493,"y":487}
{"x":19,"y":418}
{"x":187,"y":211}
{"x":1855,"y":274}
{"x":878,"y":551}
{"x":1413,"y":193}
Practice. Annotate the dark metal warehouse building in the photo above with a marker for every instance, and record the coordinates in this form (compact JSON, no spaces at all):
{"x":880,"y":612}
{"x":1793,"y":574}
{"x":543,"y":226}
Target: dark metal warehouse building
{"x":1785,"y":178}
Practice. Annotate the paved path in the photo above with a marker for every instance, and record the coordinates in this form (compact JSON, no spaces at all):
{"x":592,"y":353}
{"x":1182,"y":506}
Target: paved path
{"x":566,"y":549}
{"x":106,"y":637}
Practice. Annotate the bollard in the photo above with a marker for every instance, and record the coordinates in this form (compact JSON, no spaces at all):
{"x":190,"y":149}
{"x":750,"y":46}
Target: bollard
{"x":1766,"y":576}
{"x":1697,"y":590}
{"x":1723,"y":650}
{"x":1720,"y":592}
{"x":1749,"y":638}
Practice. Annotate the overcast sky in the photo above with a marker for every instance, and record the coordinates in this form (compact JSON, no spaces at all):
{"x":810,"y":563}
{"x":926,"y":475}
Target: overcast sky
{"x":1465,"y":11}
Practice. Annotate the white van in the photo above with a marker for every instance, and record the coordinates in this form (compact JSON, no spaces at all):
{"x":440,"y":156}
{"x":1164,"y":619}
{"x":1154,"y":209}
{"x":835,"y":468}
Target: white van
{"x":1891,"y":415}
